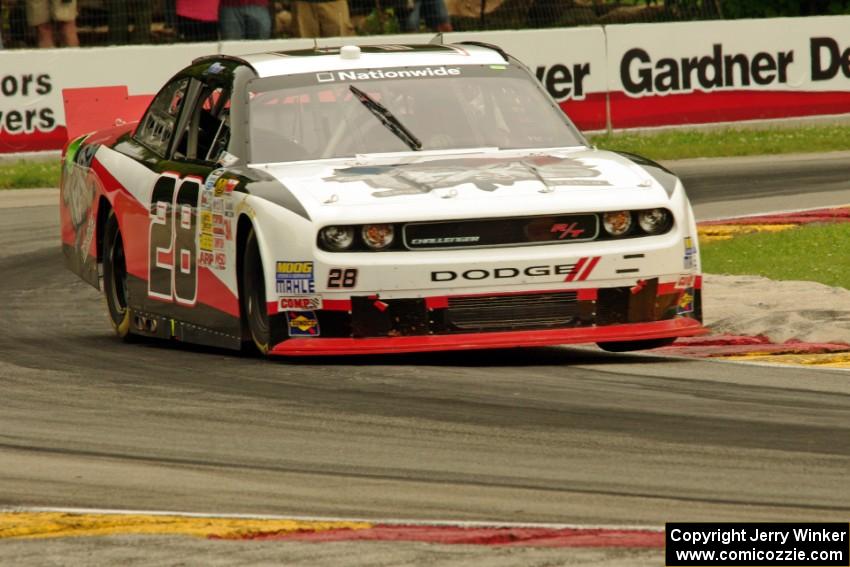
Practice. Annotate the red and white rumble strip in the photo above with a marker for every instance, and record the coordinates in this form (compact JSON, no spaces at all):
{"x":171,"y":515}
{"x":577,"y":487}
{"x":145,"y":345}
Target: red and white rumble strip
{"x":72,"y":522}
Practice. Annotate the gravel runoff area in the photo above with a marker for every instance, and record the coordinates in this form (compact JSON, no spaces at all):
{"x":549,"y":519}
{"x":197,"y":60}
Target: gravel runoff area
{"x":780,"y":310}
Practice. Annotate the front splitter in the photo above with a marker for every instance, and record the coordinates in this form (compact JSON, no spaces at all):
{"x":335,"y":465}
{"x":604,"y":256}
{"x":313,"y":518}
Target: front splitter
{"x":681,"y":327}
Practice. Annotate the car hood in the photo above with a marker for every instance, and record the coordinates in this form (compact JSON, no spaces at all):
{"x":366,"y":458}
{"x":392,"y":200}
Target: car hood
{"x":468,"y":185}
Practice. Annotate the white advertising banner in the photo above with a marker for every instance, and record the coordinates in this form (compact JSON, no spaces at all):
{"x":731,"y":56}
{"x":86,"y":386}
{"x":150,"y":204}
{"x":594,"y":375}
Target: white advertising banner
{"x":698,"y":72}
{"x":634,"y":75}
{"x":32,"y":115}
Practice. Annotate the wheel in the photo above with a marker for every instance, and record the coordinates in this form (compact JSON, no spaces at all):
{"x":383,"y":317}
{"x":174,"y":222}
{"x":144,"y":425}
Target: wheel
{"x":253,"y":296}
{"x":115,"y":277}
{"x":626,"y":346}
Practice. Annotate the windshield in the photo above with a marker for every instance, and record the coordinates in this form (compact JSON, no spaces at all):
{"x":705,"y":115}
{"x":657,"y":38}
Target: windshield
{"x":320,"y":115}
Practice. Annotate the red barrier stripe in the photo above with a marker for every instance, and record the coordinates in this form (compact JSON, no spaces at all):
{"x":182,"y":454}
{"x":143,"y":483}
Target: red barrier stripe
{"x":36,"y":141}
{"x":590,"y":113}
{"x":722,"y":106}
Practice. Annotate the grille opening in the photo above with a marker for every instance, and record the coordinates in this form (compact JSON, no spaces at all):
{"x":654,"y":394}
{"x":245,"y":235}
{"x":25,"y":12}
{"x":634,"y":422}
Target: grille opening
{"x":520,"y":231}
{"x":528,"y":311}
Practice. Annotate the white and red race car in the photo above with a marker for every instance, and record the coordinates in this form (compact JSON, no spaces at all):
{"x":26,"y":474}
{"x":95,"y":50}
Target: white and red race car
{"x":381,"y":199}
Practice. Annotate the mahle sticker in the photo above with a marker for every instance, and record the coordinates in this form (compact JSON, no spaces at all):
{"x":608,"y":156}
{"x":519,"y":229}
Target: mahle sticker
{"x":294,"y":278}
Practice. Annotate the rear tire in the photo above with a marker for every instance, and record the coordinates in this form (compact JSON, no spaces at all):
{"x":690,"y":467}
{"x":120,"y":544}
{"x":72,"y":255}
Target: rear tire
{"x":115,"y":277}
{"x":253,"y":296}
{"x":626,"y":346}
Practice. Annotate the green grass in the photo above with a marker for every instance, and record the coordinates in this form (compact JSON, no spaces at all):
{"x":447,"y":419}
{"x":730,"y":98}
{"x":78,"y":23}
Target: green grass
{"x":27,"y":174}
{"x":680,"y":144}
{"x":817,"y":252}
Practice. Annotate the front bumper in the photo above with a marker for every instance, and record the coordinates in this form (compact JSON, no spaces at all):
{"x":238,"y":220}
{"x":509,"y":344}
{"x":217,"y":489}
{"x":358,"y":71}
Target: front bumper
{"x":369,"y":324}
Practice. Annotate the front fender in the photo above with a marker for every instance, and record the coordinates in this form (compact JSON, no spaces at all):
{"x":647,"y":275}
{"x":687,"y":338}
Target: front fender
{"x":282,"y":236}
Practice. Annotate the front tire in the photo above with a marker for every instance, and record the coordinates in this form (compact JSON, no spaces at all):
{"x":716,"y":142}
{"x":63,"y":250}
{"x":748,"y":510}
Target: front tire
{"x":626,"y":346}
{"x":115,"y":277}
{"x":253,"y":296}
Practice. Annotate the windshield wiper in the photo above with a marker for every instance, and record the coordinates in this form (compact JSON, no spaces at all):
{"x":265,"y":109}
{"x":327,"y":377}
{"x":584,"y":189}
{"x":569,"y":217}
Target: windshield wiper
{"x":387,"y":118}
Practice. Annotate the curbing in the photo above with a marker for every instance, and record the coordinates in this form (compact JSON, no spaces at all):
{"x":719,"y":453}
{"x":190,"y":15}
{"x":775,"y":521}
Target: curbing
{"x":65,"y":523}
{"x":758,"y":348}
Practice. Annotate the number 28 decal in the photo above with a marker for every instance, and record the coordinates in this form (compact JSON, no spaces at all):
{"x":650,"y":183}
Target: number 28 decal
{"x":342,"y":277}
{"x":172,"y":271}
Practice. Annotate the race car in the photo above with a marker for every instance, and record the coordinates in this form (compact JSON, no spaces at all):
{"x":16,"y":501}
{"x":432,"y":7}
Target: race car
{"x":382,"y":199}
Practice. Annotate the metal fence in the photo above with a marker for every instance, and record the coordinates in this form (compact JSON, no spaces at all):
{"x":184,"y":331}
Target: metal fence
{"x":118,"y":22}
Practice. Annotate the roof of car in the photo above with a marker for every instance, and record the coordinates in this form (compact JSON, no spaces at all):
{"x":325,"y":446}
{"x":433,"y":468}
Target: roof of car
{"x":371,"y":57}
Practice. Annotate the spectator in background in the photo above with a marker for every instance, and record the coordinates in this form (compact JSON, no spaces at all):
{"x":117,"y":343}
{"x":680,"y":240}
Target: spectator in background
{"x":120,"y":14}
{"x":283,"y":21}
{"x":245,"y":19}
{"x":197,"y":20}
{"x":322,"y":18}
{"x":435,"y":14}
{"x":42,"y":13}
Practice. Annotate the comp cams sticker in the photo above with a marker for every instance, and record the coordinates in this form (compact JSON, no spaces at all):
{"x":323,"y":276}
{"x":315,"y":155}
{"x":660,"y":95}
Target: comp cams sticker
{"x":299,"y":303}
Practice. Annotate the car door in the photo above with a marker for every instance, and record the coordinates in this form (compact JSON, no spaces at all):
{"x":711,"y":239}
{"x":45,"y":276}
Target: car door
{"x":181,"y":142}
{"x":192,"y":251}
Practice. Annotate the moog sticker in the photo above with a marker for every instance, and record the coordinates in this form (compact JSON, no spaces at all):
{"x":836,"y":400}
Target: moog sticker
{"x":294,"y":278}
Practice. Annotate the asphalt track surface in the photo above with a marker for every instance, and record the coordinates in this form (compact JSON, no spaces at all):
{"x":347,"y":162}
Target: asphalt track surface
{"x":748,"y":185}
{"x":564,"y":435}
